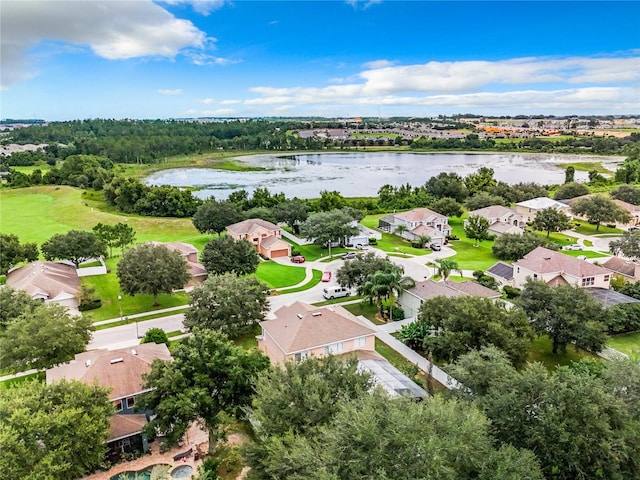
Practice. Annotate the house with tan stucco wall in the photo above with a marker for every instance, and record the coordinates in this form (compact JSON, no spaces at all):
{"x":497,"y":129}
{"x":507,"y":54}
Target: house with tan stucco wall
{"x":265,"y":236}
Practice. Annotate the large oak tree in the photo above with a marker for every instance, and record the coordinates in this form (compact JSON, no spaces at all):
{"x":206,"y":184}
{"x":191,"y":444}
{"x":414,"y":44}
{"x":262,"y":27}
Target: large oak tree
{"x":152,"y":269}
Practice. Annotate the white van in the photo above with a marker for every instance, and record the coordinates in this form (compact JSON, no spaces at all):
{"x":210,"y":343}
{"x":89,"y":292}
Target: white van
{"x":335,"y":292}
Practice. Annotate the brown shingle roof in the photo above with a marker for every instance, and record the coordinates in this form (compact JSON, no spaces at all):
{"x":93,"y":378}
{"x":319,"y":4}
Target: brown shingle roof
{"x":542,"y":260}
{"x":45,"y":279}
{"x":273,"y":240}
{"x":296,"y":327}
{"x":125,"y":425}
{"x":183,"y":249}
{"x":430,"y":289}
{"x":493,"y":211}
{"x":419,"y":214}
{"x":474,"y":289}
{"x":621,"y":265}
{"x":246,"y":227}
{"x":502,"y":227}
{"x":121,"y":370}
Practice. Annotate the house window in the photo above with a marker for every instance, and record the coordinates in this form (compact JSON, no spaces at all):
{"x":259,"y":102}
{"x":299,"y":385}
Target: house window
{"x":300,"y":356}
{"x":118,"y":404}
{"x":588,"y":281}
{"x":518,"y":269}
{"x":360,"y":342}
{"x":256,"y":240}
{"x":131,"y":401}
{"x":333,"y":348}
{"x":606,"y":278}
{"x":535,"y":275}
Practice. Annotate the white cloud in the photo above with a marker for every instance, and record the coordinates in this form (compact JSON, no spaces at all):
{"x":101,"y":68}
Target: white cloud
{"x":206,"y":101}
{"x":379,"y":64}
{"x":576,"y":84}
{"x":203,"y":7}
{"x":163,"y":91}
{"x":203,"y":59}
{"x":363,"y":4}
{"x":114,"y":30}
{"x":230,"y":102}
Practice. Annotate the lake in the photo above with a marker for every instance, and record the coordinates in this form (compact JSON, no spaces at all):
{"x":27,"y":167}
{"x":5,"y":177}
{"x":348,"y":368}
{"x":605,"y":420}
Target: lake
{"x":362,"y":174}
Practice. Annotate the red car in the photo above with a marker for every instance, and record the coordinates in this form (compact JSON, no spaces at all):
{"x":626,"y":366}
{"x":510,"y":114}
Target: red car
{"x":298,"y":259}
{"x":326,"y":276}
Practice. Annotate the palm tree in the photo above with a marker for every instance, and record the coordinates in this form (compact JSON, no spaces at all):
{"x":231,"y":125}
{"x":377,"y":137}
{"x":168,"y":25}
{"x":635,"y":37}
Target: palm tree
{"x":422,"y":240}
{"x":385,"y":285}
{"x":400,"y":229}
{"x":445,"y":266}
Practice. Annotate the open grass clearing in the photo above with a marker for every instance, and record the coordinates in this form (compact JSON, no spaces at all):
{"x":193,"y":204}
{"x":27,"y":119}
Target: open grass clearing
{"x":585,"y":228}
{"x":628,"y":343}
{"x":317,"y":276}
{"x":35,"y":214}
{"x":391,"y":243}
{"x":276,"y":275}
{"x":366,"y":309}
{"x":586,"y":167}
{"x":37,"y":377}
{"x":541,"y":352}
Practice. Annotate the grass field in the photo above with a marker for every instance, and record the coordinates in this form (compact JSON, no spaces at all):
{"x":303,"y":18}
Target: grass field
{"x":364,"y":308}
{"x":391,"y":243}
{"x":586,"y":228}
{"x":468,"y":256}
{"x":275,"y":275}
{"x":541,"y":352}
{"x":628,"y":343}
{"x":35,"y":214}
{"x":586,"y":167}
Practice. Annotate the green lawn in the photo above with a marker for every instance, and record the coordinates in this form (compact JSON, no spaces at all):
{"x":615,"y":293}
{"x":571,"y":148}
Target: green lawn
{"x":586,"y":167}
{"x":276,"y":275}
{"x":35,"y":214}
{"x":313,"y":252}
{"x":628,"y":343}
{"x":108,"y":289}
{"x":468,"y":256}
{"x":317,"y":276}
{"x":586,"y":228}
{"x":391,"y":243}
{"x":39,"y":377}
{"x":365,"y":309}
{"x":337,"y":300}
{"x":541,"y":352}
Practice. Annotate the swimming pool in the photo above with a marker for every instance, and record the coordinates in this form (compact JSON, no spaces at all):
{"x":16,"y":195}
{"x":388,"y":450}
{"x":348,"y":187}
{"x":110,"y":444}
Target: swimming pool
{"x":144,"y":474}
{"x":182,"y":471}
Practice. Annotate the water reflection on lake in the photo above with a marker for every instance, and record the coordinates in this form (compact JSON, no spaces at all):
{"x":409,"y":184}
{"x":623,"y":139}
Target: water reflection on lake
{"x":362,"y":174}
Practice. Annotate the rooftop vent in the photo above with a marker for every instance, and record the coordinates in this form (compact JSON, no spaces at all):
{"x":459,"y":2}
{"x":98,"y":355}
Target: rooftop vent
{"x":300,"y":315}
{"x":547,"y":258}
{"x":134,"y":351}
{"x":87,"y":363}
{"x":117,"y":360}
{"x":316,"y":314}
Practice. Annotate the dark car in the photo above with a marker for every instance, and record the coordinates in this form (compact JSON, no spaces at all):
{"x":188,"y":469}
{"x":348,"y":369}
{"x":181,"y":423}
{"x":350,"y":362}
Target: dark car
{"x":298,"y":259}
{"x":435,"y":247}
{"x":348,"y":255}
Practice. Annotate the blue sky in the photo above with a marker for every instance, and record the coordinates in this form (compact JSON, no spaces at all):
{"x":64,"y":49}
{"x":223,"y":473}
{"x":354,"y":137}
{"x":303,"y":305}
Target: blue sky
{"x":178,"y":58}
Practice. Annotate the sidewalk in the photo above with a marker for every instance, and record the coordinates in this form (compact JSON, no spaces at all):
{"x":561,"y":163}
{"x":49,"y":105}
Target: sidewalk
{"x":143,"y":314}
{"x":422,"y":363}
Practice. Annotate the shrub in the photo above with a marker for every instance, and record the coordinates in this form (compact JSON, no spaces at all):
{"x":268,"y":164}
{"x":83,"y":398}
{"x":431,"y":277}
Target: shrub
{"x":397,"y":314}
{"x":373,"y":241}
{"x":511,"y":292}
{"x":155,"y":335}
{"x":90,"y":305}
{"x":294,"y":252}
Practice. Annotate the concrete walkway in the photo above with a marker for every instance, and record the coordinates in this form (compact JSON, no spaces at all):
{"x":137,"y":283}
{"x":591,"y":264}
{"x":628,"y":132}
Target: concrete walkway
{"x":143,"y":314}
{"x":422,"y":363}
{"x":293,"y":238}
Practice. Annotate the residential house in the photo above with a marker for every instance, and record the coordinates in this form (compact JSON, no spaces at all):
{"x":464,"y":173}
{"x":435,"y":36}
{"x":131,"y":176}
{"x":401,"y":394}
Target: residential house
{"x":628,"y":269}
{"x":363,"y":235}
{"x":121,"y":371}
{"x":501,"y":219}
{"x":556,"y":268}
{"x":266,"y":237}
{"x":530,"y":208}
{"x":48,"y":281}
{"x":417,"y":222}
{"x":300,"y":330}
{"x":190,"y":254}
{"x":411,"y":299}
{"x":633,"y":210}
{"x":502,"y":273}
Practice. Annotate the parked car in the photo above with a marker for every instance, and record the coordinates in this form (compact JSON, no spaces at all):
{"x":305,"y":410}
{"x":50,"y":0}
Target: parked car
{"x":575,"y":246}
{"x":335,"y":292}
{"x":348,"y":255}
{"x":361,"y":247}
{"x":435,"y":247}
{"x":633,"y":229}
{"x":298,"y":259}
{"x":326,"y":276}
